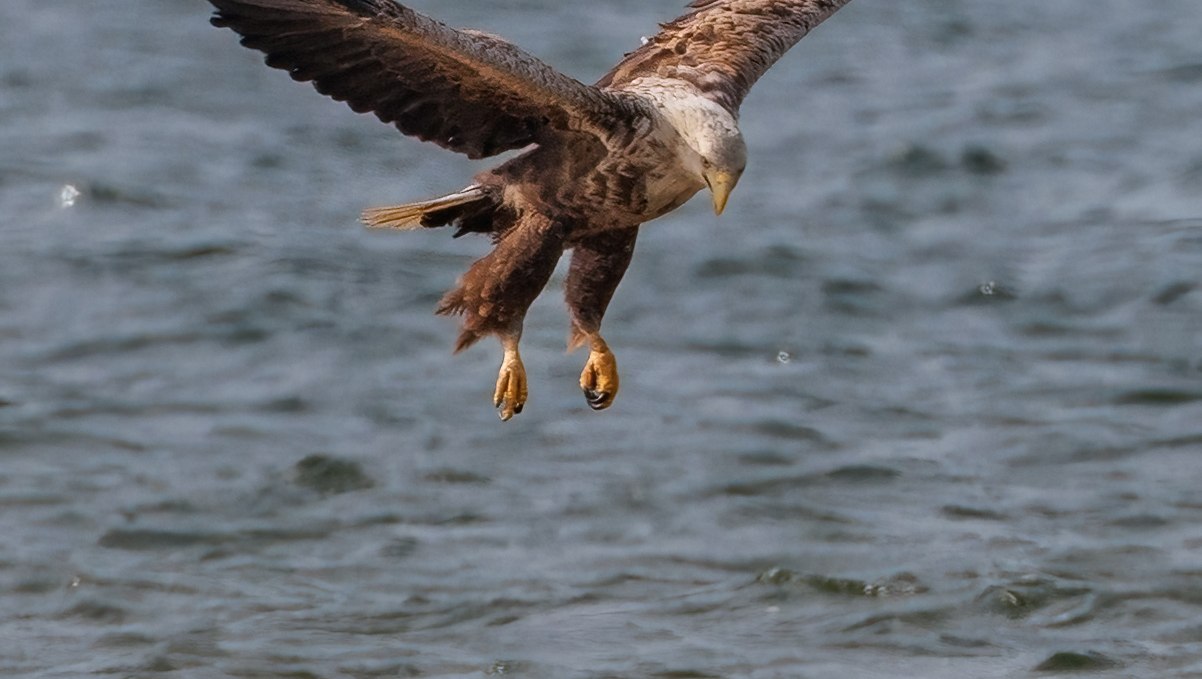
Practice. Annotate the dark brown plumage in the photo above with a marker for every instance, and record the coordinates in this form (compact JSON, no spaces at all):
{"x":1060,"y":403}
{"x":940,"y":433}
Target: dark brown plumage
{"x":603,"y":159}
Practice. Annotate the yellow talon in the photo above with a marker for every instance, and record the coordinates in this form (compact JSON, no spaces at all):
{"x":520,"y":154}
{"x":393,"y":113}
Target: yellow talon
{"x":599,"y":380}
{"x":510,"y":394}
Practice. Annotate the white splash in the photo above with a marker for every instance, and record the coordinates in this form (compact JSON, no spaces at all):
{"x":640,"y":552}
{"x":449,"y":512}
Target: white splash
{"x":68,"y":195}
{"x":784,"y":357}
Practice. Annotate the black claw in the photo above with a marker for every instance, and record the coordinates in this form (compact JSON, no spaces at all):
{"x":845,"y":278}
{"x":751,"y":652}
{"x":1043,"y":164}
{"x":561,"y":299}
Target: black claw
{"x":597,"y":400}
{"x":517,"y":410}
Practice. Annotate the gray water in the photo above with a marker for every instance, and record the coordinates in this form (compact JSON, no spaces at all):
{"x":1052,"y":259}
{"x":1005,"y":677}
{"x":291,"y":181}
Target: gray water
{"x":925,"y":402}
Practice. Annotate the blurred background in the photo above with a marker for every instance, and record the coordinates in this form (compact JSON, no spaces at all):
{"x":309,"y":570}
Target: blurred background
{"x":926,"y":401}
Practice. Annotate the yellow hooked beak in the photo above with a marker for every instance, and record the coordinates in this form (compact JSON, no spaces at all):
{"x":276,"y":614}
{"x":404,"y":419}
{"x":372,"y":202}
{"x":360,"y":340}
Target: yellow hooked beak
{"x":721,"y":183}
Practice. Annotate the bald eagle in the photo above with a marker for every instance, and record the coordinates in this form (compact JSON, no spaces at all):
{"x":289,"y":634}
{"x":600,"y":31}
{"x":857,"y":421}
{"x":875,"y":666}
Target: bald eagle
{"x":599,"y":161}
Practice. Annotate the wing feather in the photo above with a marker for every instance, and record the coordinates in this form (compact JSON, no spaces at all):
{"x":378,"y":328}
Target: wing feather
{"x":466,"y":91}
{"x":723,"y":47}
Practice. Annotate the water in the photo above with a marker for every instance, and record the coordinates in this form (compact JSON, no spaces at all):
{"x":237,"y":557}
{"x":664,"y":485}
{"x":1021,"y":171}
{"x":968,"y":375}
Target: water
{"x":926,"y":401}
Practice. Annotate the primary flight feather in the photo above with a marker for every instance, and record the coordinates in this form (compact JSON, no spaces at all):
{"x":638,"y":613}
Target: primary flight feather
{"x":603,"y":159}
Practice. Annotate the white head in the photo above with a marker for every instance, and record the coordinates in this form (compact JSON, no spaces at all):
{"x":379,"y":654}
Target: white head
{"x":711,"y":131}
{"x":707,"y":128}
{"x":723,"y":157}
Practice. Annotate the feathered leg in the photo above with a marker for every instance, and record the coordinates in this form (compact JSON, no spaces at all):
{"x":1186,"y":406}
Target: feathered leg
{"x":598,"y":264}
{"x":495,"y":293}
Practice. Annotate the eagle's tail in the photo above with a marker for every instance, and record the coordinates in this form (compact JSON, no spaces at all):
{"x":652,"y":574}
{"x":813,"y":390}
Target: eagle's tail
{"x":429,"y":213}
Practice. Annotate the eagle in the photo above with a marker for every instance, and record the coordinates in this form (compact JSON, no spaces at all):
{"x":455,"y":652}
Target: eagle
{"x":595,"y":162}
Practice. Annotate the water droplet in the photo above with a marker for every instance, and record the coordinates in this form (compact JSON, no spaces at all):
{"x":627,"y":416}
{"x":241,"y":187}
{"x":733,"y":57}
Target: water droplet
{"x":784,"y":357}
{"x":76,"y":581}
{"x":67,"y":196}
{"x":989,"y":289}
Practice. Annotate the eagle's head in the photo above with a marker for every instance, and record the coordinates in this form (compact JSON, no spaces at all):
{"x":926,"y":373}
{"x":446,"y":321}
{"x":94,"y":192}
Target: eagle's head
{"x":713,"y":133}
{"x":723,"y":157}
{"x":713,"y":150}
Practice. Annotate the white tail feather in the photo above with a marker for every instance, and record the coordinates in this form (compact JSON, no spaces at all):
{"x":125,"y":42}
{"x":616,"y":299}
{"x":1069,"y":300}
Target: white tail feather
{"x":409,"y":215}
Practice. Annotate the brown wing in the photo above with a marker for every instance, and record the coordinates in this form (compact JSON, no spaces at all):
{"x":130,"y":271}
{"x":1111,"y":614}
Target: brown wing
{"x":723,"y":46}
{"x":465,"y":91}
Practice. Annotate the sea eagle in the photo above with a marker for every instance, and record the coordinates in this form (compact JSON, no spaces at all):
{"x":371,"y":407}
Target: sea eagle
{"x":600,"y":160}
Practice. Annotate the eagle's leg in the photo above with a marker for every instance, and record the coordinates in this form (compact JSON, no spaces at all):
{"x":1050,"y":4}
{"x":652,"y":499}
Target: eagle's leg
{"x":495,"y":293}
{"x":510,"y":394}
{"x":598,"y":264}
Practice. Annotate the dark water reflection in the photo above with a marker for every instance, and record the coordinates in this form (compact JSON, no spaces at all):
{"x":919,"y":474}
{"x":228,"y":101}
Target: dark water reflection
{"x":926,"y":402}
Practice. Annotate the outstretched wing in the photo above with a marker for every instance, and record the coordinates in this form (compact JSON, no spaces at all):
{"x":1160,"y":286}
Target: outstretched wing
{"x":463,"y":90}
{"x":723,"y":46}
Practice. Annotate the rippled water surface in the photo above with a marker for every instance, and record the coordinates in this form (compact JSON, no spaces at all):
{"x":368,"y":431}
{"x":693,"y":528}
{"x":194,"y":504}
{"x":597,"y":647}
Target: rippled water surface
{"x":926,"y":402}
